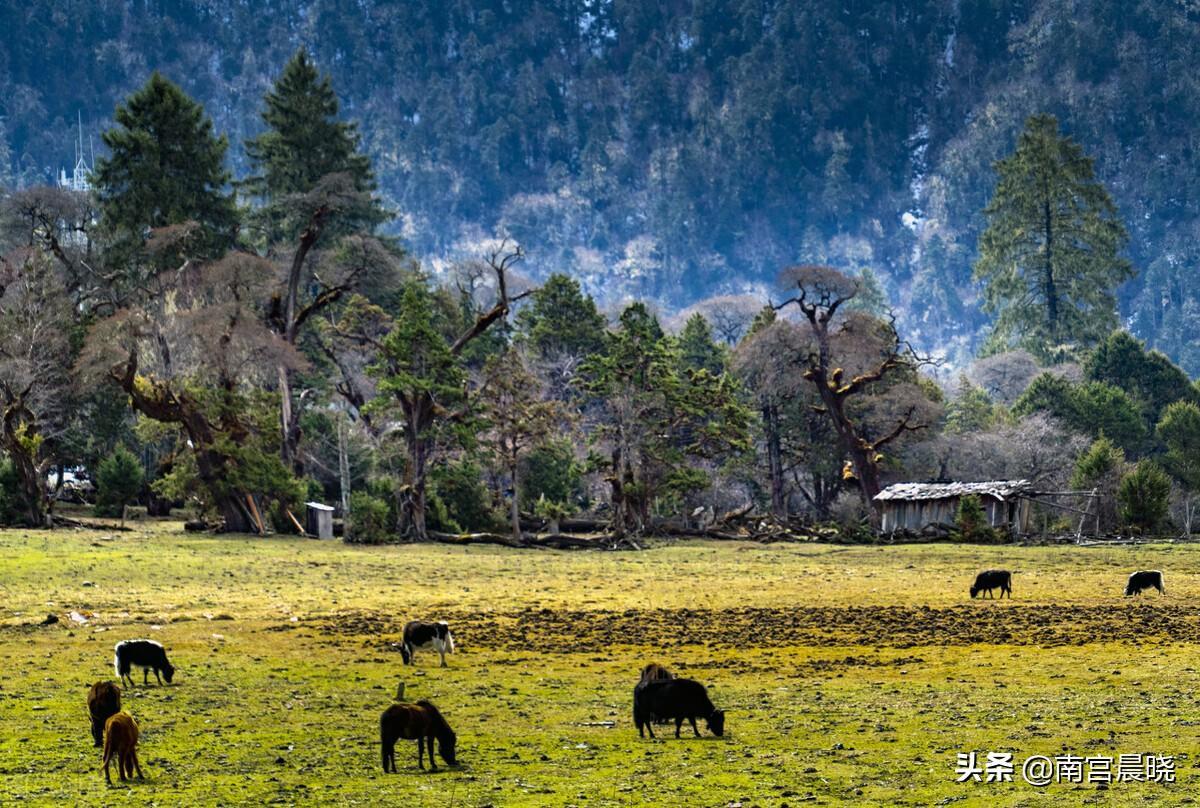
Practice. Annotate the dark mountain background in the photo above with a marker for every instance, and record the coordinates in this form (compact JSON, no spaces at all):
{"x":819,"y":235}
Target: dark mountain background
{"x":681,"y":149}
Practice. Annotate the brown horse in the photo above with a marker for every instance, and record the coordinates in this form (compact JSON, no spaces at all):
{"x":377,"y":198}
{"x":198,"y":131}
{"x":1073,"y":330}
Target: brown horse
{"x":420,"y":722}
{"x":120,"y":742}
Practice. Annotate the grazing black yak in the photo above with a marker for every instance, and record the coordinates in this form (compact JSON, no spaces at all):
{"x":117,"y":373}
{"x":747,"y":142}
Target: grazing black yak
{"x":676,"y":699}
{"x":420,"y":722}
{"x":120,"y":742}
{"x":145,"y":654}
{"x":1145,"y":579}
{"x":103,"y":700}
{"x":418,"y":634}
{"x":988,"y":580}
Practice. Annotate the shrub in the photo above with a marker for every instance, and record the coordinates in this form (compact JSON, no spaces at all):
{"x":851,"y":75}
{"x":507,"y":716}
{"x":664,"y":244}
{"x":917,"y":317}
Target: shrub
{"x":459,"y":501}
{"x":1100,"y":468}
{"x":971,"y":522}
{"x":553,"y":512}
{"x":550,"y":471}
{"x":10,"y":493}
{"x":118,"y":482}
{"x":1144,"y":496}
{"x":368,"y":521}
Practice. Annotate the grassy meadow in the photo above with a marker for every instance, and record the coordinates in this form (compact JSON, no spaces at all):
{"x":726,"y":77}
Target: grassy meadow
{"x":852,"y":675}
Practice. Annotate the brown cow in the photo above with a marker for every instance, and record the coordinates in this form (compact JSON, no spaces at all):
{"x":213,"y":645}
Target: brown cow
{"x":103,"y":700}
{"x":420,"y":722}
{"x":120,"y":742}
{"x":654,"y":672}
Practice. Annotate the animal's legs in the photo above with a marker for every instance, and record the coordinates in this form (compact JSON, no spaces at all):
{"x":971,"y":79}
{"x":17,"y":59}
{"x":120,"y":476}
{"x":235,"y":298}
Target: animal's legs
{"x":432,"y":762}
{"x":693,"y":721}
{"x":678,"y":724}
{"x":420,"y":753}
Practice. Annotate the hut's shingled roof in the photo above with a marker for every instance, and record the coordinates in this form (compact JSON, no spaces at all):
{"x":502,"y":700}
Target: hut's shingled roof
{"x":1000,"y":489}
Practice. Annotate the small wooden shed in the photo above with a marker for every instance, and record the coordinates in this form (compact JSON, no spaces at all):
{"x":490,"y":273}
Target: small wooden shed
{"x":318,"y":520}
{"x":913,"y":506}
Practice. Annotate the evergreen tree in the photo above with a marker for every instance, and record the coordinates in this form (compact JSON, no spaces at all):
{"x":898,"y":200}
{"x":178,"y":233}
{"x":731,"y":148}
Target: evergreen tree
{"x":518,"y":419}
{"x":660,"y":419}
{"x":1149,"y":376}
{"x":305,"y":143}
{"x":421,"y":373}
{"x":1100,"y":469}
{"x":561,"y":321}
{"x":1179,"y":430}
{"x":118,"y":482}
{"x":165,"y":167}
{"x":314,"y":188}
{"x":418,"y":373}
{"x":971,"y":410}
{"x":698,"y":348}
{"x":1144,"y":495}
{"x":1050,"y":257}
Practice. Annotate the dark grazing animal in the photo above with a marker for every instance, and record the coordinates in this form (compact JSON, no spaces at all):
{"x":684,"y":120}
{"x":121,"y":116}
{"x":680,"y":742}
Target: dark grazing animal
{"x":147,"y":655}
{"x":420,"y":722}
{"x":988,"y":580}
{"x":103,"y":700}
{"x":418,"y":634}
{"x":1145,"y":579}
{"x":676,"y":699}
{"x":120,"y":742}
{"x":653,"y":672}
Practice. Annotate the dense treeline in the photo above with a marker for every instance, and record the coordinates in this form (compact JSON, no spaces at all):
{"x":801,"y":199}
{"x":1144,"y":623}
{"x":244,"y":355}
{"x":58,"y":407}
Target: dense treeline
{"x":263,"y":342}
{"x":673,"y":151}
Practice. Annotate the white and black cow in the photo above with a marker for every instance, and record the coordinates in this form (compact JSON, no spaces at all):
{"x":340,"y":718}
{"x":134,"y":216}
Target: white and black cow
{"x":426,"y":636}
{"x":145,"y":654}
{"x":1145,"y":579}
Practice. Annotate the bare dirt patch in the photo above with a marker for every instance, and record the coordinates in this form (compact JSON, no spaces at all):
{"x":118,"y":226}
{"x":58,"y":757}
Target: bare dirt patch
{"x":572,"y":631}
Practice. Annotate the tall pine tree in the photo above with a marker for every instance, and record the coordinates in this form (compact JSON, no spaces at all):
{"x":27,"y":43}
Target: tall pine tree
{"x":165,"y":167}
{"x":305,"y":143}
{"x":1050,"y":257}
{"x":315,"y":191}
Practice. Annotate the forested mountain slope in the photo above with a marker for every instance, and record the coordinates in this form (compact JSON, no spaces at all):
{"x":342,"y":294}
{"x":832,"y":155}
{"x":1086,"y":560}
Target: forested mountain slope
{"x":682,"y":148}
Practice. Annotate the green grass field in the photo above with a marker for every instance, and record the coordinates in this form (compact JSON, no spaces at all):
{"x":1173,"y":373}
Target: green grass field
{"x":851,"y":675}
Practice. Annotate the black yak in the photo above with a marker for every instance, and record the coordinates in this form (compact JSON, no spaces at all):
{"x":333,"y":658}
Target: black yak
{"x":676,"y":699}
{"x":145,"y":654}
{"x":1145,"y":579}
{"x":988,"y":580}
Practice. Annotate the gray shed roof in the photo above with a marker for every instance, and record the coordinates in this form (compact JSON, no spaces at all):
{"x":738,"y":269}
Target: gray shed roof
{"x":999,"y":489}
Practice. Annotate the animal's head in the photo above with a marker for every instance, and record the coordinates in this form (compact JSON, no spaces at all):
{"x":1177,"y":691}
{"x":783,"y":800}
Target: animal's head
{"x":716,"y":723}
{"x":405,"y":654}
{"x":168,"y":672}
{"x":974,"y":591}
{"x":1128,"y":589}
{"x":446,"y":744}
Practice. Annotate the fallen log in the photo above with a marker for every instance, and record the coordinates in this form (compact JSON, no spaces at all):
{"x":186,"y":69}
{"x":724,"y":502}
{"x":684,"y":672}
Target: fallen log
{"x":557,"y":541}
{"x":66,"y":521}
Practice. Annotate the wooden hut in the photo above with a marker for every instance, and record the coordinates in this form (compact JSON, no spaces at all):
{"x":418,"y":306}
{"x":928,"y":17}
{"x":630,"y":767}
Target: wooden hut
{"x":914,"y":506}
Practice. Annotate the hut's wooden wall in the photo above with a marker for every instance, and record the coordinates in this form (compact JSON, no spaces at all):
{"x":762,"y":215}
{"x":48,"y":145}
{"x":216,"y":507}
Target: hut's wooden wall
{"x":916,"y":514}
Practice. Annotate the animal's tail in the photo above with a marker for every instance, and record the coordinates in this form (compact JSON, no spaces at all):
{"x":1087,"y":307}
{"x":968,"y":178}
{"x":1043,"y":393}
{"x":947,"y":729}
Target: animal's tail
{"x":117,"y":660}
{"x":449,"y":642}
{"x":108,"y":750}
{"x":384,"y":748}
